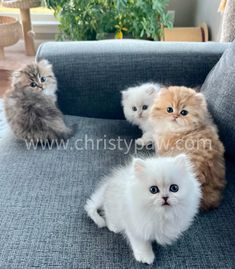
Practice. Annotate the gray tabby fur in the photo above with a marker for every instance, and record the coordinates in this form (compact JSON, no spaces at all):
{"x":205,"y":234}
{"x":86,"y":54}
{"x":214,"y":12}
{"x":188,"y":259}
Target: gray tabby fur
{"x":31,"y":111}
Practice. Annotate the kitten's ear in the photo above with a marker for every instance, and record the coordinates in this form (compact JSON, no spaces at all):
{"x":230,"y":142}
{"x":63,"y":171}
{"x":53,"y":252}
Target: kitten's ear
{"x":150,"y":90}
{"x":15,"y":77}
{"x":162,"y":90}
{"x":153,"y":89}
{"x":201,"y":100}
{"x":124,"y":95}
{"x":183,"y":162}
{"x":16,"y":74}
{"x":139,"y":166}
{"x":200,"y":97}
{"x":45,"y":64}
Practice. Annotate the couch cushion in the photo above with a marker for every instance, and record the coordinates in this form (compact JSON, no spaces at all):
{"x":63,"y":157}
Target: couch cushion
{"x":43,"y":223}
{"x":219,"y":89}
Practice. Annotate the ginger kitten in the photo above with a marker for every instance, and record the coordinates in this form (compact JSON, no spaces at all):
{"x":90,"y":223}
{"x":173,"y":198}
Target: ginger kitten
{"x":183,"y":125}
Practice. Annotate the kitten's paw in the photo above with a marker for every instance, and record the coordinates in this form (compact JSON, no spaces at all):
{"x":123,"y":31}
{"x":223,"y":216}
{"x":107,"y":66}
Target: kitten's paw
{"x":144,"y":256}
{"x":92,"y":212}
{"x":100,"y":222}
{"x":113,"y":229}
{"x":140,"y":142}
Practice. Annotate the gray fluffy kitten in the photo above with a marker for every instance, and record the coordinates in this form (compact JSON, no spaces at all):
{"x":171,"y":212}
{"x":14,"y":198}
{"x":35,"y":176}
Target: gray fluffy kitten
{"x":30,"y":105}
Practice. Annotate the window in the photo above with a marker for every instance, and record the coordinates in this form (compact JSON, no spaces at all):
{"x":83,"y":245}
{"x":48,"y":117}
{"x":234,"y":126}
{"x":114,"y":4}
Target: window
{"x":43,"y":21}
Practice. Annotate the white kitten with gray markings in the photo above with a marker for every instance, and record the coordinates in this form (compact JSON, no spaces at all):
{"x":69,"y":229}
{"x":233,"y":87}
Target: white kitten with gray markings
{"x":148,"y":200}
{"x":137,"y":102}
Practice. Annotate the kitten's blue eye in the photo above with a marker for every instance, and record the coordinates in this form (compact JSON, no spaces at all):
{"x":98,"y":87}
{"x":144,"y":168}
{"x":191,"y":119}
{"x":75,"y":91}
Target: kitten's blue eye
{"x":169,"y":109}
{"x":43,"y":79}
{"x":144,"y":107}
{"x":154,"y":189}
{"x":184,"y":112}
{"x":174,"y":188}
{"x":134,"y":108}
{"x":33,"y":84}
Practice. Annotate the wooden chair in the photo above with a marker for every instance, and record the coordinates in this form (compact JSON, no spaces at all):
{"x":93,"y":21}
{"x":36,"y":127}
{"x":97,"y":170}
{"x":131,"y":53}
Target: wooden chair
{"x":24,"y":6}
{"x":187,"y":34}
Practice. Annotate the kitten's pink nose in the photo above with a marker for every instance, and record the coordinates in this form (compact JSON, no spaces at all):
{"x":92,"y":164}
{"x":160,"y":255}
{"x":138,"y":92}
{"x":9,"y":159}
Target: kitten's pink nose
{"x":40,"y":86}
{"x":165,"y":198}
{"x":174,"y":117}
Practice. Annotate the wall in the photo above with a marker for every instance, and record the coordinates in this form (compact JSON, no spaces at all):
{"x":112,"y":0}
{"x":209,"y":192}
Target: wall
{"x":206,"y":11}
{"x":193,"y":12}
{"x":184,"y":11}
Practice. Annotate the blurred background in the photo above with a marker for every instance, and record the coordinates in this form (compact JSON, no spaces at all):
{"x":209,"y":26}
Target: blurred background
{"x":25,"y":24}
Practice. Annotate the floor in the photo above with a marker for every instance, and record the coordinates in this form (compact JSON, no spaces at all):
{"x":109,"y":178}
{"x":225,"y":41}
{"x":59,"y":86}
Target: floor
{"x":15,"y":58}
{"x":3,"y":123}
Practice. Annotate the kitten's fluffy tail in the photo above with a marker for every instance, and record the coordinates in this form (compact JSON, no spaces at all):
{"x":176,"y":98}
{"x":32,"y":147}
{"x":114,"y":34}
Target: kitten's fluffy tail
{"x":66,"y":132}
{"x":94,"y":204}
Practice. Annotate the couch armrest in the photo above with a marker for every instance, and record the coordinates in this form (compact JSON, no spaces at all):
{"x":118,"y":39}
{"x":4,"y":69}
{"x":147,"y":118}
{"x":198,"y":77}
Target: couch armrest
{"x":91,"y":74}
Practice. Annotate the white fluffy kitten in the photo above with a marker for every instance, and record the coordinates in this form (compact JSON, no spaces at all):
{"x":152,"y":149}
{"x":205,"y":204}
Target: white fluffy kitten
{"x":136,"y":102}
{"x":147,"y":200}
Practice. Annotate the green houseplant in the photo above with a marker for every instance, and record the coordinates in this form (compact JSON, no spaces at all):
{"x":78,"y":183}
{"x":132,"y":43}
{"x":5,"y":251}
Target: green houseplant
{"x":94,"y":19}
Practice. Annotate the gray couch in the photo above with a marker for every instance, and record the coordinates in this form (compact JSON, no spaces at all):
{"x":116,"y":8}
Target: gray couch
{"x":43,"y":191}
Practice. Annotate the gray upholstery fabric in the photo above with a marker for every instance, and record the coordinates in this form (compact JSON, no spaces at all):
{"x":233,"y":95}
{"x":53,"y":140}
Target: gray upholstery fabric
{"x":43,"y":224}
{"x":43,"y":191}
{"x":219,"y":89}
{"x":2,"y":119}
{"x":91,"y":74}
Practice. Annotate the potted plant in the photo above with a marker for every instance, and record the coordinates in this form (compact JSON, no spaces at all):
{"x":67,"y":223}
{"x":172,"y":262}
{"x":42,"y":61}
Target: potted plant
{"x":94,"y":19}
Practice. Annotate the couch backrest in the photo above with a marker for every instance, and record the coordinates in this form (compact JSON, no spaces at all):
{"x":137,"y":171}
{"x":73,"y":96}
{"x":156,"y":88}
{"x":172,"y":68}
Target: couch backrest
{"x":91,"y":74}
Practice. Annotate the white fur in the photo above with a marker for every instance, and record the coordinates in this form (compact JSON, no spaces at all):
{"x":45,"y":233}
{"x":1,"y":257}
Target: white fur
{"x":130,"y":207}
{"x":51,"y":82}
{"x":138,"y":97}
{"x":51,"y":91}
